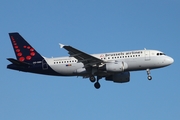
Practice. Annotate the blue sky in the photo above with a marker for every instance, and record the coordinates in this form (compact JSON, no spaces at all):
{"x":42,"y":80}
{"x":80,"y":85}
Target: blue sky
{"x":93,"y":26}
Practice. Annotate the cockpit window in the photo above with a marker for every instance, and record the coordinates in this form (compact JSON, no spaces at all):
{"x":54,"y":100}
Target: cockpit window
{"x":160,"y":54}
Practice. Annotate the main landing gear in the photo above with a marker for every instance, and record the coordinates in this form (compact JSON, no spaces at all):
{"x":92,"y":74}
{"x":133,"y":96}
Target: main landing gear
{"x":148,"y":73}
{"x":96,"y":84}
{"x":92,"y":78}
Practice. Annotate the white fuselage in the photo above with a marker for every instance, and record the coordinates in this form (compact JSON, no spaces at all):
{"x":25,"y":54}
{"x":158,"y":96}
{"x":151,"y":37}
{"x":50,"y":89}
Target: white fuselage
{"x":114,"y":66}
{"x":136,"y":60}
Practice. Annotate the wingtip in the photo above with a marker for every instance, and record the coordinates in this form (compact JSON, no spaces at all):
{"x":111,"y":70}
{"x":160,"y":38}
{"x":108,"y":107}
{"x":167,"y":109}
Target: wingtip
{"x":61,"y":45}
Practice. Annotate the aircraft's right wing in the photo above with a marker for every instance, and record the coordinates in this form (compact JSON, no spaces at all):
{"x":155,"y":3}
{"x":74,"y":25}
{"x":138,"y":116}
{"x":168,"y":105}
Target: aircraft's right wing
{"x":86,"y":59}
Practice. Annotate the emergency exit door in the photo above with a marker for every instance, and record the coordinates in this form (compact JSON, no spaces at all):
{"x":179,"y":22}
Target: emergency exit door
{"x":147,"y":55}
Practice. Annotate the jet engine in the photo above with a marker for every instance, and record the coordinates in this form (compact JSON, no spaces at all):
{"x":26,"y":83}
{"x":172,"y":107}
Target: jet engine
{"x":119,"y":77}
{"x":80,"y":70}
{"x":116,"y":66}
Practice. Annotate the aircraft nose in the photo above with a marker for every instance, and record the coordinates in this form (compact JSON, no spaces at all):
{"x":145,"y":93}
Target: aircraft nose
{"x":169,"y":60}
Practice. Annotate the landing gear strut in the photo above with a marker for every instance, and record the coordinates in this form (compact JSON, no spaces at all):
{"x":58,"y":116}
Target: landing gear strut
{"x":148,"y":73}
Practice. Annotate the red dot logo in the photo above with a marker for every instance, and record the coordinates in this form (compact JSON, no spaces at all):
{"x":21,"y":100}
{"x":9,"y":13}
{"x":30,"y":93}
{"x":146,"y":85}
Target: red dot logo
{"x":21,"y":59}
{"x":19,"y":54}
{"x":17,"y":50}
{"x":32,"y":49}
{"x":32,"y":53}
{"x":28,"y":57}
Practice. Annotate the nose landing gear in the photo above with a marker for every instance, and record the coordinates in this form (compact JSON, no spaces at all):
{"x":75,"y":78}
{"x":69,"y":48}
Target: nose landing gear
{"x":148,"y":73}
{"x":149,"y":78}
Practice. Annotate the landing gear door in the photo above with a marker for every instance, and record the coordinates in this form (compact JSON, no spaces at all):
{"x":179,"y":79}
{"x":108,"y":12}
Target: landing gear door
{"x":44,"y":65}
{"x":147,"y":55}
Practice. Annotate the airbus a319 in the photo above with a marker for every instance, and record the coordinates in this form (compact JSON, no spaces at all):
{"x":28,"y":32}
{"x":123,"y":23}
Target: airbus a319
{"x":114,"y":66}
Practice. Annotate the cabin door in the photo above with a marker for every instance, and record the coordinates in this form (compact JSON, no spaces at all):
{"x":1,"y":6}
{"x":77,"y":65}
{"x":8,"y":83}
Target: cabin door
{"x":147,"y":55}
{"x":44,"y":65}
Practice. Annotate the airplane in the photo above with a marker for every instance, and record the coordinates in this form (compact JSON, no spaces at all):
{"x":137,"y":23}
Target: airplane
{"x":114,"y":66}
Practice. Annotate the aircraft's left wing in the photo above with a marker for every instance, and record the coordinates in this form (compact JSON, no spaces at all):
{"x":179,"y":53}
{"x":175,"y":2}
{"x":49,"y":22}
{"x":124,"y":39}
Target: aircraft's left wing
{"x":86,"y":59}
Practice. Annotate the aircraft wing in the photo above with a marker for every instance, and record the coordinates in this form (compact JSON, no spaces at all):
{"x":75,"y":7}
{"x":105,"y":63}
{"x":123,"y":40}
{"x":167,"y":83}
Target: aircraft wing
{"x":86,"y":59}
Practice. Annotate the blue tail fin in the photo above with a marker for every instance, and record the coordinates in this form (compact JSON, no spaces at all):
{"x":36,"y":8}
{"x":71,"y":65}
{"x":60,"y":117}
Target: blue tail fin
{"x":23,"y":50}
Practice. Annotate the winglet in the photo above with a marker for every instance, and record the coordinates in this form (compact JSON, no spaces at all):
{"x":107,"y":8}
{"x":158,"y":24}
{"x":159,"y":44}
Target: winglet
{"x":61,"y":45}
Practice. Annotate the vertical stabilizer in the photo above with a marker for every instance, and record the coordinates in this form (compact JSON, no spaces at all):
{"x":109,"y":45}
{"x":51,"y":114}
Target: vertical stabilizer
{"x":23,"y":50}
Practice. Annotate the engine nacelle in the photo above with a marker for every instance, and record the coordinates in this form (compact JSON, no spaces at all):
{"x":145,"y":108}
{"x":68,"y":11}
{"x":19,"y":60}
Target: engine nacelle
{"x":116,"y":66}
{"x":80,"y":70}
{"x":119,"y":77}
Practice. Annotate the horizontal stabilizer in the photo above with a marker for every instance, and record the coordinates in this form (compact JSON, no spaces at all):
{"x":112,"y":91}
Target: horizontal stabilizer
{"x":18,"y":63}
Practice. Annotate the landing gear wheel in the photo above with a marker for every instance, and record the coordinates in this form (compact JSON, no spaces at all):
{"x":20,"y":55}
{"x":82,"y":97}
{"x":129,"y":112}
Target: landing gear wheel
{"x":148,"y":73}
{"x":92,"y":78}
{"x":97,"y":85}
{"x":149,"y":78}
